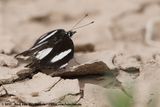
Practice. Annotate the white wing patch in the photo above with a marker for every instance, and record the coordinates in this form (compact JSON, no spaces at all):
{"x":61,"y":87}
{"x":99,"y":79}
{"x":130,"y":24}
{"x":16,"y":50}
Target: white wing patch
{"x":38,"y":45}
{"x":43,"y":53}
{"x":61,"y":55}
{"x":63,"y":65}
{"x":47,"y":36}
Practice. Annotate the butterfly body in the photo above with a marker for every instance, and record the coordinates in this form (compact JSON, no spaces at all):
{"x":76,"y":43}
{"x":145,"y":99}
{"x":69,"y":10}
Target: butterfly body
{"x":52,"y":50}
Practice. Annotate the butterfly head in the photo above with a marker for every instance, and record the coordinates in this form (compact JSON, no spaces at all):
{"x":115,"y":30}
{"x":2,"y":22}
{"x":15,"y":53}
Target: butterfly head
{"x":70,"y":33}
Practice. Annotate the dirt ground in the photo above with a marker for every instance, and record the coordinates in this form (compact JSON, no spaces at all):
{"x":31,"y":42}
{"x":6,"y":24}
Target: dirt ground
{"x":125,"y":36}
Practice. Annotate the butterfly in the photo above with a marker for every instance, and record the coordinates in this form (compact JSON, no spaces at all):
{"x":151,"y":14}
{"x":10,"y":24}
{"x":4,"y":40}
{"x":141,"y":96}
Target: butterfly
{"x":53,"y":50}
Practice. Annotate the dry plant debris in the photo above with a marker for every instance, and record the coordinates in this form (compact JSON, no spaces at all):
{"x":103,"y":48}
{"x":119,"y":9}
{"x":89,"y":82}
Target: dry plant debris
{"x":90,"y":68}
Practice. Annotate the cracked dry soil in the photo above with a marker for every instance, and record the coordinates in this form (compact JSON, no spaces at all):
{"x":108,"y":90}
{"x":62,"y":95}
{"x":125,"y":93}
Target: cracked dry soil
{"x":118,"y":56}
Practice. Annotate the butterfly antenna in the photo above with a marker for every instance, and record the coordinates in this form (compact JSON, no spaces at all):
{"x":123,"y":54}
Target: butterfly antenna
{"x":86,"y":15}
{"x":83,"y":25}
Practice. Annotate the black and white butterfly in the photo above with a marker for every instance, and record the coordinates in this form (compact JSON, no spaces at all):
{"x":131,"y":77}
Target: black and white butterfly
{"x":53,"y":50}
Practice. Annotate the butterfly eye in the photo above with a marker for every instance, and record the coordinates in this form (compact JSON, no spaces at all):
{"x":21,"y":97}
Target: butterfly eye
{"x":70,"y":33}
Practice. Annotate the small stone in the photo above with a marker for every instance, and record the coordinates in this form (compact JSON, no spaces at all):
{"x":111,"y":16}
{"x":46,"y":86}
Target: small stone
{"x":35,"y":94}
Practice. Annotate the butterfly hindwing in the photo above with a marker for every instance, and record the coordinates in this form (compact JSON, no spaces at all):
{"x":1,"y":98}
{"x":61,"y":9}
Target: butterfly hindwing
{"x":55,"y":57}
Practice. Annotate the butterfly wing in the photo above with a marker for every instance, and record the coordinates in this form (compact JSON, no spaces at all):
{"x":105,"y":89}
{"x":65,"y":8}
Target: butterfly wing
{"x":45,"y":37}
{"x":40,"y":44}
{"x":54,"y":57}
{"x":32,"y":51}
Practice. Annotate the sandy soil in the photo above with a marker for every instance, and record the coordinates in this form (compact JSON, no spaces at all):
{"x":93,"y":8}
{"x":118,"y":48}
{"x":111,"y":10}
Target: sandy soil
{"x":125,"y":36}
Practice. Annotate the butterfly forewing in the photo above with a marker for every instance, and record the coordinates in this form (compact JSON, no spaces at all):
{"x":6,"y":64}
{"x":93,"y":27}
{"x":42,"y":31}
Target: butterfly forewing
{"x":40,"y":44}
{"x":43,"y":53}
{"x":44,"y":38}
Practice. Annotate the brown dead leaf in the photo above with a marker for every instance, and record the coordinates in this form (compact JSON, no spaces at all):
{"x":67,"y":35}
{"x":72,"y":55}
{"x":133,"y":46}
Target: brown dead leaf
{"x":90,"y":68}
